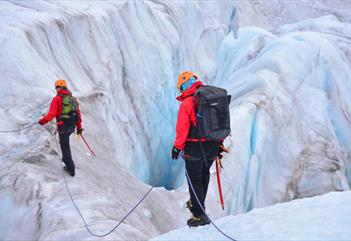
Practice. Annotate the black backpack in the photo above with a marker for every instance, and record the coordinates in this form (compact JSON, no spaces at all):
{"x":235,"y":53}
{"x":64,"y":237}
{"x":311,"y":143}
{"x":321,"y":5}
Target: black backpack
{"x":212,"y":113}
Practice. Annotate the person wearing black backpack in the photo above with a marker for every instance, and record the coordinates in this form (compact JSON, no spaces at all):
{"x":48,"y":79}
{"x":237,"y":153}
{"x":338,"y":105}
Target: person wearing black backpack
{"x":199,"y":139}
{"x":66,"y":110}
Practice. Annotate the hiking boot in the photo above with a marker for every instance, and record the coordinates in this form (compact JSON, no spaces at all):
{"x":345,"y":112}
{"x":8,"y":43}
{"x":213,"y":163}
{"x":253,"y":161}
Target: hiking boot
{"x":72,"y":173}
{"x":189,"y":205}
{"x":195,"y":221}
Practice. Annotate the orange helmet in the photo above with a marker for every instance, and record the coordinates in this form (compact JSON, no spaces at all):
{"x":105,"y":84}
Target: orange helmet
{"x":184,"y":77}
{"x":60,"y":83}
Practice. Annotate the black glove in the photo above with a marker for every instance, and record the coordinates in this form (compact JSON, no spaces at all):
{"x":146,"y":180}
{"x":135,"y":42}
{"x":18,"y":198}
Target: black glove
{"x":175,"y":153}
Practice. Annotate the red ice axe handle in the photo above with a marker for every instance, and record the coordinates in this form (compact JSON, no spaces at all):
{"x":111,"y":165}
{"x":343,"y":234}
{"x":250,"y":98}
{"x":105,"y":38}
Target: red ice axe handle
{"x":87,"y":145}
{"x":219,"y":182}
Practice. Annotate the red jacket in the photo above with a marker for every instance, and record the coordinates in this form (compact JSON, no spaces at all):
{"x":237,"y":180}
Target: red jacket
{"x":186,"y":116}
{"x":56,"y":110}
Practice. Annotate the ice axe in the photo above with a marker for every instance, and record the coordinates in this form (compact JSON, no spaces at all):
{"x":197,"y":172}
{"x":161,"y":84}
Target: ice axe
{"x":218,"y":169}
{"x":86,"y":143}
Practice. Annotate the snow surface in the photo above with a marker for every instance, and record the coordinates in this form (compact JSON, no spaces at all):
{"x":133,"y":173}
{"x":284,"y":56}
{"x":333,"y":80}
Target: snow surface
{"x":324,"y":217}
{"x":290,"y":110}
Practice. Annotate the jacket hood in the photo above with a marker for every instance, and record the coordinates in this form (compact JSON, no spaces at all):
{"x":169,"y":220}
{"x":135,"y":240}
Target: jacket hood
{"x":190,"y":91}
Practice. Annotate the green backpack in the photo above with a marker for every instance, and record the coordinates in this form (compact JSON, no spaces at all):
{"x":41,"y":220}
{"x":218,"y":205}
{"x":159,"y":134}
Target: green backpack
{"x":69,"y":113}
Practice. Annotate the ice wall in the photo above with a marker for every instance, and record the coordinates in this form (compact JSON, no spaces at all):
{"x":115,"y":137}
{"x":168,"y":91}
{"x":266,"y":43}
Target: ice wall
{"x":275,"y":13}
{"x":125,"y":54}
{"x":290,"y":112}
{"x":121,"y":59}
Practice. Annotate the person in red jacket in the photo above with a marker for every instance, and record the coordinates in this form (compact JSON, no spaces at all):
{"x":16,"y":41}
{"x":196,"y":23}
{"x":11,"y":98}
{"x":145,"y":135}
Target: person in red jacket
{"x":66,"y":110}
{"x":198,"y":156}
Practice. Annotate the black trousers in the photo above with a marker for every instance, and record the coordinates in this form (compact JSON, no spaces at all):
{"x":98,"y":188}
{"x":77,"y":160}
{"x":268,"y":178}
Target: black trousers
{"x":64,"y":132}
{"x":198,"y":169}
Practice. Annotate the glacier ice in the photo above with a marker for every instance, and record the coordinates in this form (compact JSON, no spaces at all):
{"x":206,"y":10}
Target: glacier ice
{"x":291,"y":91}
{"x":290,"y":110}
{"x":273,"y":14}
{"x":121,"y":59}
{"x":127,"y":68}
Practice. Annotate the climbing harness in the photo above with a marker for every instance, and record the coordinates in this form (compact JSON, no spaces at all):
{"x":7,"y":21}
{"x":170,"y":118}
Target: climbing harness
{"x":80,"y":214}
{"x":198,"y":201}
{"x":21,"y":129}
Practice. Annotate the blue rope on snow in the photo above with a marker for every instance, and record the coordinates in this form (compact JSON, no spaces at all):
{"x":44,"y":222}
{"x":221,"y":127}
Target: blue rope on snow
{"x":132,"y":210}
{"x":70,"y":195}
{"x":21,"y":129}
{"x":198,"y":201}
{"x":81,"y":216}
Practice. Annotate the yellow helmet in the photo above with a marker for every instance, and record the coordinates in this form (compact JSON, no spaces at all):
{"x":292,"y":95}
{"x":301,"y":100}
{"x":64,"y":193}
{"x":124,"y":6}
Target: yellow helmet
{"x":184,"y":77}
{"x":60,"y":83}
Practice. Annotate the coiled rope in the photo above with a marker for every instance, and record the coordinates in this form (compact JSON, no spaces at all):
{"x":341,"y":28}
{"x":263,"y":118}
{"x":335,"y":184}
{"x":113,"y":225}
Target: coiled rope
{"x":80,"y":214}
{"x":203,"y":210}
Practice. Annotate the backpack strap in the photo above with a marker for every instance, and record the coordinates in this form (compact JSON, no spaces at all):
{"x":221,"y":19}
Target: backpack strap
{"x":193,"y":132}
{"x":61,"y":95}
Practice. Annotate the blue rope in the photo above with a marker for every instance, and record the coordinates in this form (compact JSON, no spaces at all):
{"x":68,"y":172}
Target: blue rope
{"x":81,"y":216}
{"x":198,"y":201}
{"x":70,"y":195}
{"x":21,"y":129}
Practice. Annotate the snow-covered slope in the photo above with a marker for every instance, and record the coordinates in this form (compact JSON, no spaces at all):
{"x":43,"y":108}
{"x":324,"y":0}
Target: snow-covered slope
{"x":324,"y":217}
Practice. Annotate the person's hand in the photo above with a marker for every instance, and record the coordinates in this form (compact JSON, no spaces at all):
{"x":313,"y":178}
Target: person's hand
{"x":175,"y":153}
{"x":222,"y":149}
{"x":80,"y":131}
{"x":42,"y":121}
